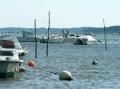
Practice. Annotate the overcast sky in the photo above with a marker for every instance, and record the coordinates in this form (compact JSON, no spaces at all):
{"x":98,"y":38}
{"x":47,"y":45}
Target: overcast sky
{"x":64,"y":13}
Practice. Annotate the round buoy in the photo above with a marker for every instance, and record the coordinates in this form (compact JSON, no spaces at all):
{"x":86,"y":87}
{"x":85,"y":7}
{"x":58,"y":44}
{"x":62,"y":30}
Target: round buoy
{"x":65,"y":75}
{"x":94,"y":62}
{"x":31,"y":63}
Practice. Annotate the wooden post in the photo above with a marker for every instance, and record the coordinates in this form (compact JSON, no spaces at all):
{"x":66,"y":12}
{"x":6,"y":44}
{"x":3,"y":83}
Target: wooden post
{"x":48,"y":33}
{"x":105,"y":35}
{"x":35,"y":39}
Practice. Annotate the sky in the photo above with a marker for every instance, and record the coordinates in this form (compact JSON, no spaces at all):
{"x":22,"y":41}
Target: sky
{"x":64,"y":13}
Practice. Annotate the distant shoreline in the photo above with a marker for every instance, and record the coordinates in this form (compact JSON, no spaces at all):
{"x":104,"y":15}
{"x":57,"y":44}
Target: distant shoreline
{"x":83,"y":30}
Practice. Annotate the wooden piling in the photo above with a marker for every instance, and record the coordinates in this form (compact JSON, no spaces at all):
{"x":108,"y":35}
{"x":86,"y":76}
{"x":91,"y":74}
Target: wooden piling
{"x":48,"y":33}
{"x":105,"y":35}
{"x":35,"y":39}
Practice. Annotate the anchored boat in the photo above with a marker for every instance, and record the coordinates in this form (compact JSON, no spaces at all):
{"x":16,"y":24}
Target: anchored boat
{"x":9,"y":62}
{"x":11,"y":56}
{"x":84,"y":40}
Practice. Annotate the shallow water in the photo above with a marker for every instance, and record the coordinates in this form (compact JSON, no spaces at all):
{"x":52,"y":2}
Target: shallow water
{"x":75,"y":58}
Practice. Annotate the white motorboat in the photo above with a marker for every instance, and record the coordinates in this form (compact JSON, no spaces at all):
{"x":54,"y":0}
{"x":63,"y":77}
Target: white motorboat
{"x":84,"y":40}
{"x":9,"y":62}
{"x":11,"y":56}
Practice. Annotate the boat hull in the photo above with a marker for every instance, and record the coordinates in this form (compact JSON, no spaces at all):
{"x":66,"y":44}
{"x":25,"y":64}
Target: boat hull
{"x":83,"y":42}
{"x":28,"y":39}
{"x":52,"y":40}
{"x":56,"y":40}
{"x":9,"y":68}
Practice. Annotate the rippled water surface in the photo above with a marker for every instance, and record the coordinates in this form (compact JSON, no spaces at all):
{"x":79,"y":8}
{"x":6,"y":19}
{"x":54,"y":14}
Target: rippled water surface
{"x":74,"y":58}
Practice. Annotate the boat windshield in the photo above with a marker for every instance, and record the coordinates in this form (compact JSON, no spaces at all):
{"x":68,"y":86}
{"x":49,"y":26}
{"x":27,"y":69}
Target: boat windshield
{"x":6,"y":53}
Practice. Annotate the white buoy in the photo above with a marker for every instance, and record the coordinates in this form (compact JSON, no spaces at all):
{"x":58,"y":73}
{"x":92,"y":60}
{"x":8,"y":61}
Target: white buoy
{"x":65,"y":75}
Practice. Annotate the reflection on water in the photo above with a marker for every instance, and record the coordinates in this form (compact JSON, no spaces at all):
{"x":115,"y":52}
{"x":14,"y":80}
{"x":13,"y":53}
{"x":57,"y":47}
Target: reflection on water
{"x":75,"y":58}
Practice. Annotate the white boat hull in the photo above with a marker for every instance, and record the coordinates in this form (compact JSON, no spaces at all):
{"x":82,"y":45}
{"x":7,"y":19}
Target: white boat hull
{"x":84,"y":40}
{"x":56,"y":40}
{"x":9,"y":68}
{"x":53,"y":40}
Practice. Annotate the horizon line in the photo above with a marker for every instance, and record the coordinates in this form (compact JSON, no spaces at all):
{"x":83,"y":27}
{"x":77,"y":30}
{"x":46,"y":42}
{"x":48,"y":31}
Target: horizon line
{"x":62,"y":27}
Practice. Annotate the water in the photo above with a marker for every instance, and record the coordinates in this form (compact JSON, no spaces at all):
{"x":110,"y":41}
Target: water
{"x":75,"y":58}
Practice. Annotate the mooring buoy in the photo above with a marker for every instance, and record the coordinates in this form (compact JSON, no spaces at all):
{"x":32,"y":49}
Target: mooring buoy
{"x":31,"y":63}
{"x":65,"y":75}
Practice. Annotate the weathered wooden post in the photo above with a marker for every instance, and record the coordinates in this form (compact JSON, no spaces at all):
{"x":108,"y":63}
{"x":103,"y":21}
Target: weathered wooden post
{"x":35,"y":39}
{"x":105,"y":35}
{"x":48,"y":33}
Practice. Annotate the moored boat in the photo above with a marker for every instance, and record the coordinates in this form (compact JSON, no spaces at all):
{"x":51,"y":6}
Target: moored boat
{"x":11,"y":56}
{"x":9,"y":62}
{"x":84,"y":40}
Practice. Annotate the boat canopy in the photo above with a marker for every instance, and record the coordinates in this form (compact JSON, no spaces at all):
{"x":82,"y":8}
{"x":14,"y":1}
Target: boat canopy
{"x":10,"y":42}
